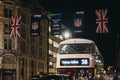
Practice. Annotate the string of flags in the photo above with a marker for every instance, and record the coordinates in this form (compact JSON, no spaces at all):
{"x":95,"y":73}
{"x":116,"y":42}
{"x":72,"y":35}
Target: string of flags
{"x":78,"y":21}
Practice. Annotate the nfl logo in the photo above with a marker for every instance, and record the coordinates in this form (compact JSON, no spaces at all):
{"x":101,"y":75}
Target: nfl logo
{"x":77,"y":22}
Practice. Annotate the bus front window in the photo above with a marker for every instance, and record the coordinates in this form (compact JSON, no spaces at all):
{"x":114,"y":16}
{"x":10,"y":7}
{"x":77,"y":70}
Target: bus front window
{"x":75,"y":48}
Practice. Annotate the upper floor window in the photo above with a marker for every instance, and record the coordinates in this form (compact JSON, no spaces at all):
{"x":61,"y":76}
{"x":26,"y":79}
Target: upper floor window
{"x":6,"y":29}
{"x":22,"y":62}
{"x":23,"y":47}
{"x":55,"y":44}
{"x":40,"y":52}
{"x":7,"y":12}
{"x":24,"y":19}
{"x":23,"y":33}
{"x":7,"y":43}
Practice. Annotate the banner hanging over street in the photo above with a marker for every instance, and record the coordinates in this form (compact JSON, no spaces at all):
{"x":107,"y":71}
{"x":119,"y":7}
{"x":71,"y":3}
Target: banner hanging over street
{"x":56,"y":24}
{"x":35,"y":25}
{"x":78,"y":26}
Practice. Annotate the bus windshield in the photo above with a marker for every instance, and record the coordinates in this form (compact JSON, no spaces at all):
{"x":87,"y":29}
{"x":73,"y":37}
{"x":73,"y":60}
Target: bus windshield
{"x":76,"y":48}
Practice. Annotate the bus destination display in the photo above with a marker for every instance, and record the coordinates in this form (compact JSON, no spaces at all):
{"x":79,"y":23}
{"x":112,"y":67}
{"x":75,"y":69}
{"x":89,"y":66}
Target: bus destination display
{"x":74,"y":62}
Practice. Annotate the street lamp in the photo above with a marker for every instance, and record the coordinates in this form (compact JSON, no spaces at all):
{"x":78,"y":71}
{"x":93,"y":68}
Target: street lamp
{"x":67,"y":34}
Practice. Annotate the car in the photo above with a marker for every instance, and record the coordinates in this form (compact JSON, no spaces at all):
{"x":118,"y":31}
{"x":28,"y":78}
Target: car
{"x":37,"y":77}
{"x":58,"y":77}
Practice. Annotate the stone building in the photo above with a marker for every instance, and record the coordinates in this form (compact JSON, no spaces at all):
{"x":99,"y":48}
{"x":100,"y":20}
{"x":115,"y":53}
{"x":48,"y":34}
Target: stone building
{"x":21,"y":58}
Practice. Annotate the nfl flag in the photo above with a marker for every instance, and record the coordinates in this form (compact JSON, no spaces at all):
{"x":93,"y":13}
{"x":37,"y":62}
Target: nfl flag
{"x":35,"y":25}
{"x":78,"y":22}
{"x":102,"y":21}
{"x":56,"y":24}
{"x":15,"y":27}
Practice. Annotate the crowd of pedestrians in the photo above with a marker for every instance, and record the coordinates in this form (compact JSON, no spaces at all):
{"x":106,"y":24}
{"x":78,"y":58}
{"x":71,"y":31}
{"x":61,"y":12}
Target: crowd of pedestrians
{"x":115,"y":76}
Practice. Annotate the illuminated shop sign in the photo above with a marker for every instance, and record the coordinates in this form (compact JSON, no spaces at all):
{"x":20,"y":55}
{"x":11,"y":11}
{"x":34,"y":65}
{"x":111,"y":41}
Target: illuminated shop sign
{"x":74,"y":62}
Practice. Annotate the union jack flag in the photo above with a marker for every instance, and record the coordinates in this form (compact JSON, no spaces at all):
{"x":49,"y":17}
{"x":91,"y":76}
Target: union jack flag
{"x":101,"y":21}
{"x":15,"y":26}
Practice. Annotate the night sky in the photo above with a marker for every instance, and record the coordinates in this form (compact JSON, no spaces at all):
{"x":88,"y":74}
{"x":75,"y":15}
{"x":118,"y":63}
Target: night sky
{"x":105,"y":42}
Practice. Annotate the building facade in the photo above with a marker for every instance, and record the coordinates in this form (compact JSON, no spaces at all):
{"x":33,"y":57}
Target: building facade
{"x":54,"y":41}
{"x":21,"y":58}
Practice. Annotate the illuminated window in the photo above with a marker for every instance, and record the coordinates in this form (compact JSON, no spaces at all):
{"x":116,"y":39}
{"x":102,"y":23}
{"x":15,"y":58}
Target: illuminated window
{"x":59,"y":36}
{"x":55,"y":44}
{"x":50,"y":53}
{"x":51,"y":64}
{"x":54,"y":65}
{"x":54,"y":54}
{"x":50,"y":41}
